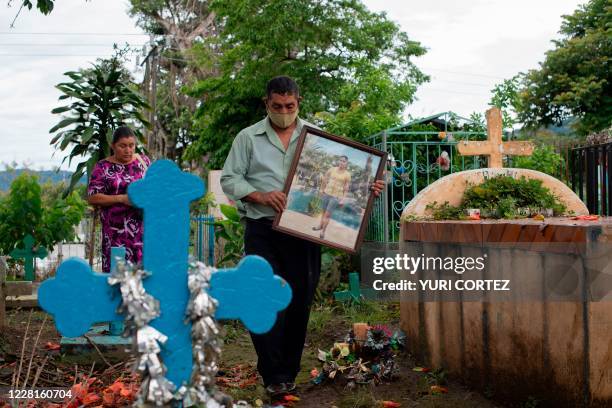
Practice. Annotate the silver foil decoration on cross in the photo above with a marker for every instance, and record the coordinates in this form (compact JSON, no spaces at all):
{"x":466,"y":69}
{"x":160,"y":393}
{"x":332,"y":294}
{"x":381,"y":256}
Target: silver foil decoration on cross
{"x":140,"y":308}
{"x":204,"y":339}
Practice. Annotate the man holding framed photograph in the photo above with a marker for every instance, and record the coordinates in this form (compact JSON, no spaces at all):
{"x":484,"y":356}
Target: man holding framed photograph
{"x":253,"y":175}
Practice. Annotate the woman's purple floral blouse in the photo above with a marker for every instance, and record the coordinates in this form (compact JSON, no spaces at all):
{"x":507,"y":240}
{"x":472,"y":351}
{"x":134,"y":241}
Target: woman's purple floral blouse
{"x":121,"y":224}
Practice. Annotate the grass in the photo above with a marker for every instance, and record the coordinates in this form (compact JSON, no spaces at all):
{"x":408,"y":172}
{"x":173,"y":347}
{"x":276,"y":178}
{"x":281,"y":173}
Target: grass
{"x":232,"y":330}
{"x":320,"y":317}
{"x":248,"y":394}
{"x":361,"y":398}
{"x":323,"y":314}
{"x":370,"y":312}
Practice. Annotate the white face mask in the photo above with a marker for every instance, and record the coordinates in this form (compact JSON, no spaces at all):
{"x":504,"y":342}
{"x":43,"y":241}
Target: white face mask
{"x":283,"y":120}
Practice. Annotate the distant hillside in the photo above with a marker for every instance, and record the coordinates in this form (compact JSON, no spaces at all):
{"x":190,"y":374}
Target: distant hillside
{"x":7,"y":176}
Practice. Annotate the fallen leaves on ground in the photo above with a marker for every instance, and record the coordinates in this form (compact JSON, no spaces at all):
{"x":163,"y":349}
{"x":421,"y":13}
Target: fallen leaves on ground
{"x":240,"y":376}
{"x":51,"y":346}
{"x":92,"y":391}
{"x":438,"y":389}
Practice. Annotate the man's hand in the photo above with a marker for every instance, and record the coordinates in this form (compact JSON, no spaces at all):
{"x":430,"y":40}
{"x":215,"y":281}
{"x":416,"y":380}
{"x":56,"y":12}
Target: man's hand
{"x":274,"y":199}
{"x":377,"y":187}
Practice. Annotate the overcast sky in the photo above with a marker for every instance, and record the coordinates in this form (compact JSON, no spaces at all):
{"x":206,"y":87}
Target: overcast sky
{"x":472,"y":45}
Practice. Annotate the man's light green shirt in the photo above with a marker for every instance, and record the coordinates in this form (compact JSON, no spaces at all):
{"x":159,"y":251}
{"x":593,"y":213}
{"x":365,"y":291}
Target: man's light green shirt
{"x":258,"y":161}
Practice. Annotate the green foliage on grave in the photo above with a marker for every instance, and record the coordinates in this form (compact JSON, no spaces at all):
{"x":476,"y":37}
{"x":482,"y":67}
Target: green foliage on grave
{"x":525,"y":192}
{"x":24,"y":211}
{"x":354,"y":68}
{"x":445,"y":211}
{"x":103,"y":98}
{"x":501,"y":197}
{"x":574,"y":78}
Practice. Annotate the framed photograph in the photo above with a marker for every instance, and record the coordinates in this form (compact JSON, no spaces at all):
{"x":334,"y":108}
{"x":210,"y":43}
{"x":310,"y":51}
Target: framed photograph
{"x":328,"y":190}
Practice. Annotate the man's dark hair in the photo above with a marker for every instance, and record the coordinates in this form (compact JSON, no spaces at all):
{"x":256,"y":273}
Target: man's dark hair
{"x":282,"y":85}
{"x":121,"y":132}
{"x":345,"y":157}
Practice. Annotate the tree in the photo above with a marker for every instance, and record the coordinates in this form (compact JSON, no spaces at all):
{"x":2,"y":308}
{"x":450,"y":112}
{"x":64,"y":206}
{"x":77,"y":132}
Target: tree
{"x":505,"y":96}
{"x":44,"y":6}
{"x":23,"y":211}
{"x":575,"y":77}
{"x":178,"y":26}
{"x":104,"y":98}
{"x":354,"y":68}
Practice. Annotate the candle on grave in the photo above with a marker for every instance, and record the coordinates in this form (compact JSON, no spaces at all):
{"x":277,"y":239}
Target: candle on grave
{"x":361,"y":331}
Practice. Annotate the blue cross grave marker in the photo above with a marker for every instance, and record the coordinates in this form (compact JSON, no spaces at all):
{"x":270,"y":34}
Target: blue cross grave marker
{"x":78,"y":297}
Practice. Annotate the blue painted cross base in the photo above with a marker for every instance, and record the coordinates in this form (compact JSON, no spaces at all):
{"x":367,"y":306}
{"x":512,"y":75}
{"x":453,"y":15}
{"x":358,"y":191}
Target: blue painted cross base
{"x":78,"y":297}
{"x":105,"y":337}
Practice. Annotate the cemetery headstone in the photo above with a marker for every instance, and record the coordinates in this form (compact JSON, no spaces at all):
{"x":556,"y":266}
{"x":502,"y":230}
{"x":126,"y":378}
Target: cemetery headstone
{"x":354,"y":293}
{"x":494,"y":148}
{"x":29,"y":253}
{"x":512,"y":343}
{"x":450,"y":188}
{"x":251,"y":292}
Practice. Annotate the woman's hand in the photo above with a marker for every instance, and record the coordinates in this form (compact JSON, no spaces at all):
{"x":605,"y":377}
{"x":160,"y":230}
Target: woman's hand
{"x":123,"y":199}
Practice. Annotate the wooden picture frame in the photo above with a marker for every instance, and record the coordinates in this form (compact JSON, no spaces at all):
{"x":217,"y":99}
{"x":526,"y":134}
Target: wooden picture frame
{"x":329,"y":198}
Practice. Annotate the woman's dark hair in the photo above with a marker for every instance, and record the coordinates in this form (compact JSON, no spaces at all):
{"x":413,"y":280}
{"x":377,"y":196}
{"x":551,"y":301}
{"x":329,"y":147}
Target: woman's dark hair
{"x":121,"y":132}
{"x":282,"y":85}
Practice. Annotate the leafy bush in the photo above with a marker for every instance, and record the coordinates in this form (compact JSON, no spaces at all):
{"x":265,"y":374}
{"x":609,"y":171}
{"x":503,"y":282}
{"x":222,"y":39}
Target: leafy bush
{"x":231,"y":232}
{"x":49,"y":221}
{"x":544,"y":159}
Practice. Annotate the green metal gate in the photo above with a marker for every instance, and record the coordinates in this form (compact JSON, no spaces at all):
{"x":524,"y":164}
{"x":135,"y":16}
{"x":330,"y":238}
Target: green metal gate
{"x":413,"y":164}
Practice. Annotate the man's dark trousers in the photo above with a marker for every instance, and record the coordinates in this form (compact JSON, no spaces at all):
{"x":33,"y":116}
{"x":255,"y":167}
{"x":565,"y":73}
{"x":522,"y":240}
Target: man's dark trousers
{"x":298,"y":262}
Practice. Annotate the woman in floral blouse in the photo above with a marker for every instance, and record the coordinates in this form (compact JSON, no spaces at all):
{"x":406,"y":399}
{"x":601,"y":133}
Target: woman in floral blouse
{"x":121,"y":223}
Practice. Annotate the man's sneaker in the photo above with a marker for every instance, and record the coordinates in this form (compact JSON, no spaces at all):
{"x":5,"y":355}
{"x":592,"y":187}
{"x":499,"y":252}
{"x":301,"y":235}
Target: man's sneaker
{"x":275,"y":390}
{"x":289,"y":387}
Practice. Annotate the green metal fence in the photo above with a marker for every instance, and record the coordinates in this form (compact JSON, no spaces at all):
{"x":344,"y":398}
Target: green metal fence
{"x":413,"y":164}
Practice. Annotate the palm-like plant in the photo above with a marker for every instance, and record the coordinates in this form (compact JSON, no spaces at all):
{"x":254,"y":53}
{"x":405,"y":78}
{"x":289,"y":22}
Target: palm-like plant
{"x":103,"y":98}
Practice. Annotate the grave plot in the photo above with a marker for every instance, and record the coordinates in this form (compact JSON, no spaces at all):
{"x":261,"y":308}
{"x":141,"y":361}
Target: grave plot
{"x":546,"y":337}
